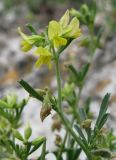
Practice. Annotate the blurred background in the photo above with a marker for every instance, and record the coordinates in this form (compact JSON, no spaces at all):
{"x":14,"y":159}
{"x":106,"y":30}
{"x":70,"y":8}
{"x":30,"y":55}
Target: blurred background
{"x":14,"y":65}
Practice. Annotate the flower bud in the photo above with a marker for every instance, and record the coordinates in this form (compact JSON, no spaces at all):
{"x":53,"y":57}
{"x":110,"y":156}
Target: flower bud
{"x":38,"y":140}
{"x":45,"y":111}
{"x":74,"y":12}
{"x":46,"y":107}
{"x":86,"y":123}
{"x":17,"y":134}
{"x":28,"y":132}
{"x":84,"y":9}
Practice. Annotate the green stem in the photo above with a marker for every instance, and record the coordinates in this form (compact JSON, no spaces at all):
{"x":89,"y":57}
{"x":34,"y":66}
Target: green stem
{"x":58,"y":84}
{"x":60,"y":112}
{"x":77,"y":139}
{"x":43,"y":151}
{"x":92,"y":47}
{"x":62,"y":147}
{"x":76,"y":106}
{"x":64,"y":142}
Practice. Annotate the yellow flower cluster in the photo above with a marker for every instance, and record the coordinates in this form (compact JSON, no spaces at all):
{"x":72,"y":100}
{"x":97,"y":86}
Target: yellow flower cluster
{"x":59,"y":32}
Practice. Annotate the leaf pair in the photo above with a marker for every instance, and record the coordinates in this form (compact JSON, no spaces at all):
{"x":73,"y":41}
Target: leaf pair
{"x":103,"y":116}
{"x":79,"y":76}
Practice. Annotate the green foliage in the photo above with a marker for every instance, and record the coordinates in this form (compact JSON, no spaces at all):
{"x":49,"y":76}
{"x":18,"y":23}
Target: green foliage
{"x":11,"y":109}
{"x":27,"y":147}
{"x":87,"y":15}
{"x":78,"y":76}
{"x":81,"y":133}
{"x":30,"y":90}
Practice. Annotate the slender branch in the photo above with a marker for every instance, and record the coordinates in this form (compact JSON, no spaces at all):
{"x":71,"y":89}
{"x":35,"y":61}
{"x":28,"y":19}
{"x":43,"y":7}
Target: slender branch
{"x":62,"y":147}
{"x":64,"y":120}
{"x":43,"y":151}
{"x":58,"y":85}
{"x":77,"y":139}
{"x":76,"y":106}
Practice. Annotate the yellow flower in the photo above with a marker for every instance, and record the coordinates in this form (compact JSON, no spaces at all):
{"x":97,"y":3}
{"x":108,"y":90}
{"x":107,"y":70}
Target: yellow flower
{"x":25,"y":46}
{"x":54,"y":32}
{"x":74,"y":30}
{"x":44,"y":57}
{"x":65,"y":19}
{"x":69,"y":30}
{"x":60,"y":32}
{"x":28,"y":41}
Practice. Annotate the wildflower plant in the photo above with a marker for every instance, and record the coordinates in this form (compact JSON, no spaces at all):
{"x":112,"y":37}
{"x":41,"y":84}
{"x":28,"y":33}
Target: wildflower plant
{"x":81,"y":134}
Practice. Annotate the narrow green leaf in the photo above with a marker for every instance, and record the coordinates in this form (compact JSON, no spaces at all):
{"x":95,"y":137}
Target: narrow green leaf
{"x":103,"y":109}
{"x":99,"y":34}
{"x":22,"y":103}
{"x":31,"y":28}
{"x":76,"y":153}
{"x":11,"y":100}
{"x":17,"y":134}
{"x":84,"y":70}
{"x":89,"y":132}
{"x":37,"y":143}
{"x":3,"y":104}
{"x":27,"y":132}
{"x":30,"y":90}
{"x":80,"y":132}
{"x":72,"y":69}
{"x":69,"y":152}
{"x":12,"y":144}
{"x":83,"y":117}
{"x":103,"y":120}
{"x":78,"y":76}
{"x":82,"y":114}
{"x":87,"y":105}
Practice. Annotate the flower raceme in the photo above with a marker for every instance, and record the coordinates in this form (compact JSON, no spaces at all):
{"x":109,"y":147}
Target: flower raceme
{"x":60,"y":32}
{"x":57,"y":35}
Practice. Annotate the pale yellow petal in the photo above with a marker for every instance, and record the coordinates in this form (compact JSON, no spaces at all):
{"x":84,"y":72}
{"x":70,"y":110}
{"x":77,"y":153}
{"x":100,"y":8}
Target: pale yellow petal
{"x":54,"y":29}
{"x":43,"y":60}
{"x":74,"y":23}
{"x":39,"y":62}
{"x":25,"y":46}
{"x":74,"y":29}
{"x":42,"y":51}
{"x":46,"y":59}
{"x":65,"y":19}
{"x":50,"y":65}
{"x":59,"y":41}
{"x":77,"y":33}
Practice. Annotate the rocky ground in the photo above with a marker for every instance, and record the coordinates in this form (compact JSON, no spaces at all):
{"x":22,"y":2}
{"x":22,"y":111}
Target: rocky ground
{"x":14,"y":65}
